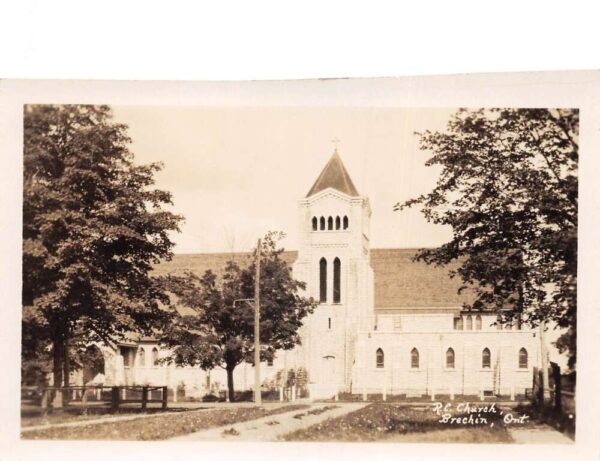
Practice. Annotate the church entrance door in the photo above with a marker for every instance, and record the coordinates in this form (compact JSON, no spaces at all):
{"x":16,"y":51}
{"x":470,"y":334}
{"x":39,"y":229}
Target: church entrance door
{"x":327,"y":383}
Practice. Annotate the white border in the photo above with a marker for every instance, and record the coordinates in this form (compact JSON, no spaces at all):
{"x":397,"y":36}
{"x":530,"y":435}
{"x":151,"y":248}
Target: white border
{"x":566,"y":89}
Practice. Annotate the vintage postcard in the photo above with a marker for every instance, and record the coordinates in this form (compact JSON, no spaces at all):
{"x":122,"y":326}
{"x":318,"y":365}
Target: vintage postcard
{"x":344,"y":261}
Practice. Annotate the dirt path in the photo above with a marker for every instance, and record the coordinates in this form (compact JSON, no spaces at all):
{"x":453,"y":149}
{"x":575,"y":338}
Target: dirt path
{"x":271,"y":427}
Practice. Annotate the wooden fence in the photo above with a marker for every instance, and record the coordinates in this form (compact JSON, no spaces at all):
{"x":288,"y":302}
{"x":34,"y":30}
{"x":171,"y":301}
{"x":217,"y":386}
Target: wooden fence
{"x":116,"y":396}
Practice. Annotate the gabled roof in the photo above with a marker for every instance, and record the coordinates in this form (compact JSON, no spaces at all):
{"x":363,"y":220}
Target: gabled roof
{"x":405,"y":285}
{"x":401,"y":284}
{"x":334,"y":175}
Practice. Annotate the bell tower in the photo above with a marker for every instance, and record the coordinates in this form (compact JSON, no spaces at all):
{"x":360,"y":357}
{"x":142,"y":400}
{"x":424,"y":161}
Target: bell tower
{"x":333,"y":260}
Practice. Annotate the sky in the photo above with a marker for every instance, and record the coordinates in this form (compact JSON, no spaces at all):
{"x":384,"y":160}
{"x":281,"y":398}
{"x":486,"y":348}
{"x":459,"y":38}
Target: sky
{"x":236,"y":173}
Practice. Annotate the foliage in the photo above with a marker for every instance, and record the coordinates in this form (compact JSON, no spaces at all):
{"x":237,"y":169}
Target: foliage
{"x":93,"y":226}
{"x":301,"y":377}
{"x":508,"y":189}
{"x":221,"y":333}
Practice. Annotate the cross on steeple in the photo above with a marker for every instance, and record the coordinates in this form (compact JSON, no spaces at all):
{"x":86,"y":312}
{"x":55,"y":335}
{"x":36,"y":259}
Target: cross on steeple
{"x":335,"y":142}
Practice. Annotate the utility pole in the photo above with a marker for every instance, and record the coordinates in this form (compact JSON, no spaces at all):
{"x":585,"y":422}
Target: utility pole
{"x":544,"y":351}
{"x":257,"y":394}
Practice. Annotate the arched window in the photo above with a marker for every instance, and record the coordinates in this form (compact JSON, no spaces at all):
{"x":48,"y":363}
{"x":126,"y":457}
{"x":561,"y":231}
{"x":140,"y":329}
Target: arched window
{"x":337,"y":294}
{"x":450,"y":358}
{"x":315,"y":224}
{"x":128,"y":354}
{"x":338,"y":223}
{"x":478,"y":322}
{"x":414,"y":358}
{"x":155,"y":357}
{"x":379,"y":359}
{"x":323,"y":280}
{"x":131,"y":356}
{"x":322,"y":223}
{"x":141,"y":357}
{"x":523,"y":358}
{"x":485,"y":358}
{"x":345,"y":222}
{"x":458,"y":323}
{"x":469,"y":322}
{"x":330,"y":223}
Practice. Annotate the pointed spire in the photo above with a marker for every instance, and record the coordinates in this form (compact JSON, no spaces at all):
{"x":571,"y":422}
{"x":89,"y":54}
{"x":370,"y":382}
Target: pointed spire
{"x":334,"y":175}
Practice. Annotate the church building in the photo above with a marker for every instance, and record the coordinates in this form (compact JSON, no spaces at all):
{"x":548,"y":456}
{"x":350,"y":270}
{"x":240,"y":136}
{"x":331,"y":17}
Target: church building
{"x":385,"y":324}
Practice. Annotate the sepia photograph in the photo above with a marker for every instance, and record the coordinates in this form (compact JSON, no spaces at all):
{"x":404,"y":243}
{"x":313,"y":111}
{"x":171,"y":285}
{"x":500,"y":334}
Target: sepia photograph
{"x":299,"y":273}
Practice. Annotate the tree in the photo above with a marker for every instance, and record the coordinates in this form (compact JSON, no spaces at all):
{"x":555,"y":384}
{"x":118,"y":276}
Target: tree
{"x":93,"y":226}
{"x":221,"y":332}
{"x":508,"y":189}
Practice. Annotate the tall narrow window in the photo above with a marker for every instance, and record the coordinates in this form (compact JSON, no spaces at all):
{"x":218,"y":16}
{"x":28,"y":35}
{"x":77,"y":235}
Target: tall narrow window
{"x":450,"y":358}
{"x":345,"y":222}
{"x":336,"y":280}
{"x":323,"y":280}
{"x":155,"y":357}
{"x":379,"y":358}
{"x":478,"y":322}
{"x":498,"y":323}
{"x":338,"y":223}
{"x":414,"y":358}
{"x":329,"y":323}
{"x":315,"y":223}
{"x":141,"y":357}
{"x":469,"y":322}
{"x":458,"y":323}
{"x":485,"y":358}
{"x":322,"y":223}
{"x":330,"y":223}
{"x":523,"y":358}
{"x":128,"y":354}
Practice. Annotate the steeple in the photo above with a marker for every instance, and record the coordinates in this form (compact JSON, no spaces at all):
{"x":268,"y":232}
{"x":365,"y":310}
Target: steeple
{"x":334,"y":175}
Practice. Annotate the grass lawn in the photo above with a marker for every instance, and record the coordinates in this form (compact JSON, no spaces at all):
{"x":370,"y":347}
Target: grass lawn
{"x":69,"y":414}
{"x":162,"y":426}
{"x":561,"y":421}
{"x":386,"y":422}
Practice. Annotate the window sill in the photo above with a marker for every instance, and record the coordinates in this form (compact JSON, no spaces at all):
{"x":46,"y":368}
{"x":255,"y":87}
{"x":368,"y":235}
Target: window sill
{"x":318,"y":231}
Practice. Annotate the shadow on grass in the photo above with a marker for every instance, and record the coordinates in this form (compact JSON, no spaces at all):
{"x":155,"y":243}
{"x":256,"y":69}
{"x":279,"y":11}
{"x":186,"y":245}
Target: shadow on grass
{"x":562,"y":421}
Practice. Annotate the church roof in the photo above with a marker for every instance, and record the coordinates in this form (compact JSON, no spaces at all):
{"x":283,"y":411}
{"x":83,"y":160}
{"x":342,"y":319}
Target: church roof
{"x":401,"y":285}
{"x":334,"y":175}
